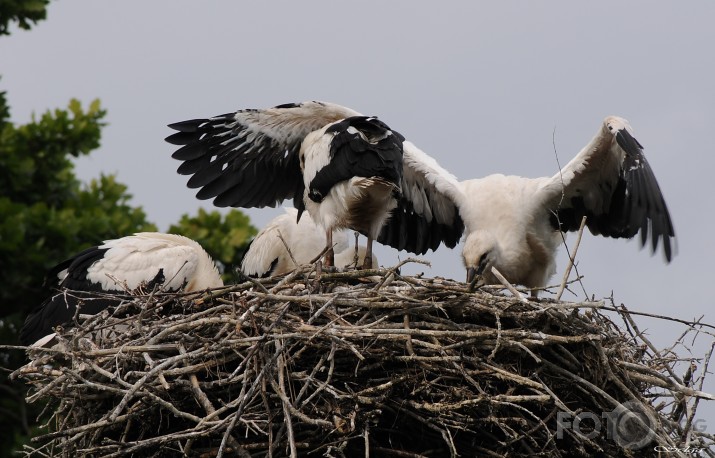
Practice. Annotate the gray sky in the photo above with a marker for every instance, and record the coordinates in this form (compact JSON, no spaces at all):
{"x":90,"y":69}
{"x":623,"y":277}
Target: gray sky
{"x":482,"y":87}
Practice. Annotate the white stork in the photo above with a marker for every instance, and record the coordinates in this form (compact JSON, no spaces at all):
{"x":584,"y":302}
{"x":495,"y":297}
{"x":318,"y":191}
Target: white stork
{"x":513,"y":223}
{"x":268,"y":253}
{"x":145,"y":259}
{"x":345,"y":169}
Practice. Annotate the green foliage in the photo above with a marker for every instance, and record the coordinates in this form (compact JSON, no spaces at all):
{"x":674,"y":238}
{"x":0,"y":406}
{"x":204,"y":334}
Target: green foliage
{"x":225,"y":238}
{"x":47,"y":215}
{"x":4,"y":109}
{"x":25,"y":13}
{"x":35,"y":159}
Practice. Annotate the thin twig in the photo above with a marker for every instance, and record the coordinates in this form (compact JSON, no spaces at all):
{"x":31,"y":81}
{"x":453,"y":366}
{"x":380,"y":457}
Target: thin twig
{"x":572,"y":258}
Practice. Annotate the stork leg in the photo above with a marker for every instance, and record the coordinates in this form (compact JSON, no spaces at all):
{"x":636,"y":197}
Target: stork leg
{"x":367,"y":263}
{"x":356,"y":255}
{"x":330,"y":253}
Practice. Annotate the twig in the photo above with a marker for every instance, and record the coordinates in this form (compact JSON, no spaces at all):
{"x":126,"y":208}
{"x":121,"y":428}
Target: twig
{"x":508,"y":285}
{"x":572,"y":258}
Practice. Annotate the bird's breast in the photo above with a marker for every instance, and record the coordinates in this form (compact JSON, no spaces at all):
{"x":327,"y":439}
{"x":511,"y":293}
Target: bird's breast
{"x":360,"y":204}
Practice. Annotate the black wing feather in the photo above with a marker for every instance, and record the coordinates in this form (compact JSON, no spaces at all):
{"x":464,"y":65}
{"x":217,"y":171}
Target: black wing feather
{"x":60,"y":308}
{"x":635,"y":205}
{"x":407,"y":230}
{"x":227,"y":162}
{"x":73,"y":293}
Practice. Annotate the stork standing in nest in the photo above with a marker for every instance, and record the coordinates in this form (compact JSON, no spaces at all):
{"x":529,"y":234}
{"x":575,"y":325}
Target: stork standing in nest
{"x":345,"y":169}
{"x":514,"y":223}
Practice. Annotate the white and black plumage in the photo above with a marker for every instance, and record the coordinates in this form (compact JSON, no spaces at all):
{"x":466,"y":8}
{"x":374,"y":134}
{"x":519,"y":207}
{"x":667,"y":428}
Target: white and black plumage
{"x":147,"y":259}
{"x":513,"y":223}
{"x":346,"y":170}
{"x":268,"y":253}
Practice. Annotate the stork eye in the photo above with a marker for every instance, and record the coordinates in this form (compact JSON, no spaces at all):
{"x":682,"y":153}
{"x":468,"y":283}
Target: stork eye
{"x":483,"y":261}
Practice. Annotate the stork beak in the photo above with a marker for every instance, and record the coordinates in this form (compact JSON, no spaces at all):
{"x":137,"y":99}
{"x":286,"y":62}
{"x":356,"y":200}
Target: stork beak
{"x":471,"y":273}
{"x":474,"y":278}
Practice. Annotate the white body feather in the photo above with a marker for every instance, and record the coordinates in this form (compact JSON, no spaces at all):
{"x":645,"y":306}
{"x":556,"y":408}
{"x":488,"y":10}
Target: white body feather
{"x":501,"y":211}
{"x":304,"y":239}
{"x":133,"y":260}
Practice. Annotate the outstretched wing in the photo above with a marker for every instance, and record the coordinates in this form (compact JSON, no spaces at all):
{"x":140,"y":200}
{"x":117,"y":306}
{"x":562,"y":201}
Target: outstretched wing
{"x":611,"y":183}
{"x":427,"y":212}
{"x":250,"y":158}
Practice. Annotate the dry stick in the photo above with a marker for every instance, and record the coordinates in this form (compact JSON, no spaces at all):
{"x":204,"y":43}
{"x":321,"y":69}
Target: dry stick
{"x":261,"y":338}
{"x":156,"y":369}
{"x":563,"y":196}
{"x":614,"y":403}
{"x":662,"y":317}
{"x":628,"y":391}
{"x":44,"y":390}
{"x":292,"y":410}
{"x":508,"y":285}
{"x":572,"y":258}
{"x":366,"y":435}
{"x":328,"y":378}
{"x":253,"y":281}
{"x":428,"y":424}
{"x":198,"y":393}
{"x":151,"y":363}
{"x":408,"y":342}
{"x":241,"y":401}
{"x":691,"y":415}
{"x":652,"y":377}
{"x":564,"y":408}
{"x":498,"y":344}
{"x":284,"y":399}
{"x":625,"y":313}
{"x":322,"y":309}
{"x":392,"y":272}
{"x":310,"y":378}
{"x":285,"y":245}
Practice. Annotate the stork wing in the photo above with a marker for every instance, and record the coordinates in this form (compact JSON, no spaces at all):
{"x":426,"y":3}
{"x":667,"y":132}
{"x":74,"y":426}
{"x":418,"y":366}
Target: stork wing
{"x":250,"y":158}
{"x":611,"y":183}
{"x":427,"y":213}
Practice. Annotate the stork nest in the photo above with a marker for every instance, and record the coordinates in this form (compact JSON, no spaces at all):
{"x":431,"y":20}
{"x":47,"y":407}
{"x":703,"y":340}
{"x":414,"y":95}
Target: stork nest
{"x":361,"y":363}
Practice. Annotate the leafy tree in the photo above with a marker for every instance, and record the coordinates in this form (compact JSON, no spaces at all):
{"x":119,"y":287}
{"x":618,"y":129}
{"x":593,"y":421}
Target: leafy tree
{"x":24,"y":12}
{"x":46,"y":215}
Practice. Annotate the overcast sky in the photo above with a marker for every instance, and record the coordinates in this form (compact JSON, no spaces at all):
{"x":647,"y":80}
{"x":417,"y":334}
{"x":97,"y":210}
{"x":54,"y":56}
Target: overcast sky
{"x":482,"y":87}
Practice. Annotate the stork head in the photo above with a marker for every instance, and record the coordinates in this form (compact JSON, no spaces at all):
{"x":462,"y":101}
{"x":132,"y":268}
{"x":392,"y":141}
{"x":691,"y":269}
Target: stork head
{"x":480,"y":253}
